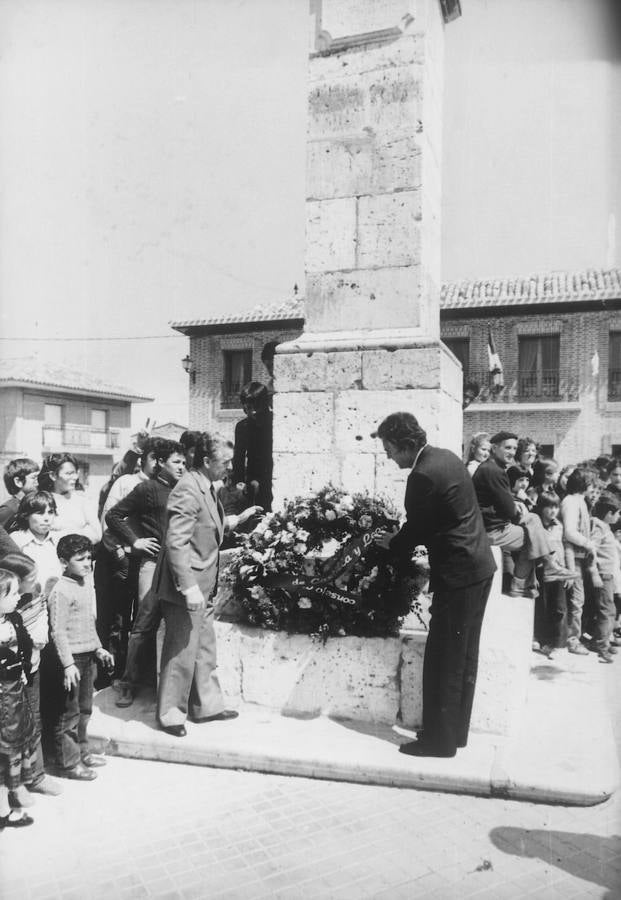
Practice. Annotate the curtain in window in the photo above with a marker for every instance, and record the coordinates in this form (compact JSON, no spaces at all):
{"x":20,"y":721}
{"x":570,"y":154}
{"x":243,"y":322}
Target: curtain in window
{"x":528,"y":357}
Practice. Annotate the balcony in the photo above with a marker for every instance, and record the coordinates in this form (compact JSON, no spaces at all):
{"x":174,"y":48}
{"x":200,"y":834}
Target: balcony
{"x":78,"y":438}
{"x":229,"y":394}
{"x":545,"y":386}
{"x":614,"y":385}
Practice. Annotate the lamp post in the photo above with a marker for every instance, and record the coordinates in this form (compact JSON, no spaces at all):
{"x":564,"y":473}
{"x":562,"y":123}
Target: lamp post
{"x":188,"y":366}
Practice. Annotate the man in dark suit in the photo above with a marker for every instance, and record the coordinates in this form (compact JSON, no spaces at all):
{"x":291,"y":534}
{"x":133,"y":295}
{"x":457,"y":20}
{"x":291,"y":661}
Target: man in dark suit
{"x":443,"y":514}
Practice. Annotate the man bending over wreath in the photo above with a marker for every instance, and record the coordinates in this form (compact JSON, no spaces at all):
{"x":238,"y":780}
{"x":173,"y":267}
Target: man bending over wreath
{"x":443,"y":514}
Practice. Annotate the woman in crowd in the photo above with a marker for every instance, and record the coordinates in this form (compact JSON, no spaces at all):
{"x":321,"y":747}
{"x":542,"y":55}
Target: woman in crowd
{"x":75,"y":512}
{"x":478,"y":451}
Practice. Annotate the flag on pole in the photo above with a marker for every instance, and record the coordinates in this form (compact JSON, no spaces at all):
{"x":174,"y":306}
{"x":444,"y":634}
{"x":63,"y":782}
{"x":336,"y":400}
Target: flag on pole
{"x":496,"y":377}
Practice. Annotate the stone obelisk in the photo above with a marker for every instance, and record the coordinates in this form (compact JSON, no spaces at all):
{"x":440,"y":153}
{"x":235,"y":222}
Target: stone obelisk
{"x":371,"y":342}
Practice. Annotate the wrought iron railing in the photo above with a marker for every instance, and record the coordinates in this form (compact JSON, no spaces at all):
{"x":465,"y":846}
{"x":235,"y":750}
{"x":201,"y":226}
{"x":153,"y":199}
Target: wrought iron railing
{"x":614,"y":384}
{"x":542,"y":386}
{"x":229,"y":394}
{"x":80,"y":437}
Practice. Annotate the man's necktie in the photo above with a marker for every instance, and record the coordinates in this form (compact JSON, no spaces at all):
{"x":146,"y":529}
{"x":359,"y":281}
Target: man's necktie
{"x":212,"y":491}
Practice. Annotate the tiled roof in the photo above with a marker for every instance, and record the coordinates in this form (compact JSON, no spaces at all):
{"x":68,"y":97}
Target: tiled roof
{"x":556,"y":287}
{"x":287,"y":309}
{"x":29,"y":370}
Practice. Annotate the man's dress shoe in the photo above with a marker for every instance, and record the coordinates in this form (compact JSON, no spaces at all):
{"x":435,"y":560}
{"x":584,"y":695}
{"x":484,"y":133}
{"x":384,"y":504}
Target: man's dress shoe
{"x":79,"y":772}
{"x":219,"y":717}
{"x":175,"y":730}
{"x":420,"y":748}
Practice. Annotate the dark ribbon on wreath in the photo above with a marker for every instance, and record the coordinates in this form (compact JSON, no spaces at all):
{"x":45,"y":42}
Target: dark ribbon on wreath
{"x":322,"y":586}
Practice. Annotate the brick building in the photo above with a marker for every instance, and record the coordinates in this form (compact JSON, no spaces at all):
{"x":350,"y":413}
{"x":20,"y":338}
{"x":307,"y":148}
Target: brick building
{"x":558,"y":337}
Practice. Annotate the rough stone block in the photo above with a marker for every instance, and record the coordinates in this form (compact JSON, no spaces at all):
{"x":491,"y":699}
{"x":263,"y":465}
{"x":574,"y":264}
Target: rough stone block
{"x":357,"y":472}
{"x":300,"y":372}
{"x":363,"y":299}
{"x":356,"y":415}
{"x":388,"y":230}
{"x":412,"y":367}
{"x":303,"y":422}
{"x":450,"y":424}
{"x":408,"y":50}
{"x":348,"y":678}
{"x":330,"y":234}
{"x":365,"y":163}
{"x":296,"y":474}
{"x":451,"y":375}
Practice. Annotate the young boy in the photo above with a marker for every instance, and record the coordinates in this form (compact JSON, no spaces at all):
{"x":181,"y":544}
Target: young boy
{"x":604,"y":572}
{"x":20,"y":477}
{"x":72,"y":625}
{"x":551,"y":605}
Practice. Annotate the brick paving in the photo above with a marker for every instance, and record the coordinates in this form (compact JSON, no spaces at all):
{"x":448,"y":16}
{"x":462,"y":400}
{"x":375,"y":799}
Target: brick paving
{"x":177,"y":832}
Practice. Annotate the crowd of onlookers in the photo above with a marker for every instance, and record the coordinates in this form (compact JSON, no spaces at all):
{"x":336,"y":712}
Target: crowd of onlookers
{"x":560,"y":535}
{"x":59,"y":615}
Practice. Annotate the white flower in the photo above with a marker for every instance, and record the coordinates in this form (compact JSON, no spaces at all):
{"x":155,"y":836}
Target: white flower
{"x":302,"y":535}
{"x":304,"y":603}
{"x":268,"y":534}
{"x":330,"y":515}
{"x":286,"y":539}
{"x":365,"y":521}
{"x":299,"y":547}
{"x":291,"y":527}
{"x":257,"y":592}
{"x":347,"y":502}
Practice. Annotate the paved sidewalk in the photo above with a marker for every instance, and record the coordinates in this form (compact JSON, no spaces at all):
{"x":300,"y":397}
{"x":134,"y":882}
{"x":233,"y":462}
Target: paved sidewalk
{"x":545,"y":758}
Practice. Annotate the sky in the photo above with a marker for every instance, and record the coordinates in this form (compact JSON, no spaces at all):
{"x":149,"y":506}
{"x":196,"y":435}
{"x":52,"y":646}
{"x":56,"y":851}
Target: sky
{"x":152,"y":160}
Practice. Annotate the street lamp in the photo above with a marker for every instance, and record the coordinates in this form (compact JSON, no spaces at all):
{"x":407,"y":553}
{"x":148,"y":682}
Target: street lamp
{"x":188,"y":366}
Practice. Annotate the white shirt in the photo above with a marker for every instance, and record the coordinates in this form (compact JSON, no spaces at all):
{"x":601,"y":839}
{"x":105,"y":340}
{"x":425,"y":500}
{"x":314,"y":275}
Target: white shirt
{"x":43,"y":553}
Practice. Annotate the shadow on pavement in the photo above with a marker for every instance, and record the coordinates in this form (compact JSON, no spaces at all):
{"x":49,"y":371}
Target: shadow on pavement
{"x":585,"y":856}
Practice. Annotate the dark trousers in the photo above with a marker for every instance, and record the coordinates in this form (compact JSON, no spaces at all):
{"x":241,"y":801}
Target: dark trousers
{"x":450,"y":666}
{"x":67,"y":713}
{"x":551,"y":614}
{"x":115,"y":589}
{"x":33,"y":691}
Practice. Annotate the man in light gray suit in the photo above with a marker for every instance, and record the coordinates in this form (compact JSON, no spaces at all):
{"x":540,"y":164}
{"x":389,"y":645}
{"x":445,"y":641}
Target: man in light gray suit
{"x":186,"y":580}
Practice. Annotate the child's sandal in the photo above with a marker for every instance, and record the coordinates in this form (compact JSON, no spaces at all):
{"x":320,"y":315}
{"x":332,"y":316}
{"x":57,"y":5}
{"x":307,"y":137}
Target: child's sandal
{"x":11,"y":822}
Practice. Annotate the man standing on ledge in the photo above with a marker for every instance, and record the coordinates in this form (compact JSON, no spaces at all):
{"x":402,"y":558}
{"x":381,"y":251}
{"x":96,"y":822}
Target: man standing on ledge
{"x":443,"y":514}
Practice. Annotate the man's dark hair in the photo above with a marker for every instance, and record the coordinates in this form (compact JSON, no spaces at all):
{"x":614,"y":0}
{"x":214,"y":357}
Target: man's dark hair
{"x":578,"y":481}
{"x":18,"y":468}
{"x":614,"y":464}
{"x":402,"y":430}
{"x":189,"y":439}
{"x":256,"y":395}
{"x":606,"y":503}
{"x":208,"y":446}
{"x":72,"y":544}
{"x":34,"y":502}
{"x":164,"y":448}
{"x":502,"y":436}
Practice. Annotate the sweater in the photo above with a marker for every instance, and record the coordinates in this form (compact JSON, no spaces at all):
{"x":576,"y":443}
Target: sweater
{"x":72,"y":620}
{"x":497,"y":503}
{"x":606,"y":549}
{"x":576,"y":524}
{"x":145,"y":507}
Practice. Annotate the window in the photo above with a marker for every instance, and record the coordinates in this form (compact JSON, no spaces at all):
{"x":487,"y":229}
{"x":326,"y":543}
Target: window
{"x":538,"y":367}
{"x":614,"y":366}
{"x":99,"y":424}
{"x":53,"y":415}
{"x":461,"y":348}
{"x":237,"y":373}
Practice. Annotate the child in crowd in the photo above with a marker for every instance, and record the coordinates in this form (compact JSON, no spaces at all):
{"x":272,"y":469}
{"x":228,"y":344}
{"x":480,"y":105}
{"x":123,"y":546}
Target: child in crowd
{"x":20,"y":477}
{"x":604,"y":572}
{"x":17,"y":728}
{"x":546,"y":476}
{"x":33,"y":610}
{"x":519,"y":481}
{"x":35,"y":538}
{"x":551,"y":605}
{"x":579,"y":550}
{"x":68,"y":695}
